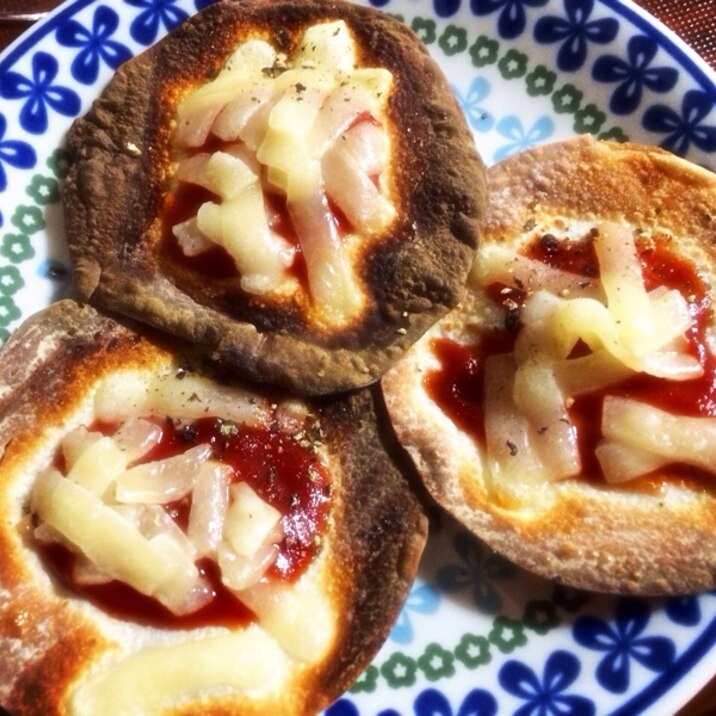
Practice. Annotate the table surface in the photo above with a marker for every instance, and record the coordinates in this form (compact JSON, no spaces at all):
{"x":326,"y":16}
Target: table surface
{"x":693,"y":20}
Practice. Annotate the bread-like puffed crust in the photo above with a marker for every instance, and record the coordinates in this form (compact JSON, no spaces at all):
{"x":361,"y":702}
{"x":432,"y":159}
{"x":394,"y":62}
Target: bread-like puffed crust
{"x":120,"y":157}
{"x":51,"y":639}
{"x":578,"y":532}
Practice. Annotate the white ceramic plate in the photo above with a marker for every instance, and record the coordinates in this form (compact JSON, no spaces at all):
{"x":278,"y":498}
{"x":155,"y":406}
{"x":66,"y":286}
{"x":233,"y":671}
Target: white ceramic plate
{"x":477,"y":635}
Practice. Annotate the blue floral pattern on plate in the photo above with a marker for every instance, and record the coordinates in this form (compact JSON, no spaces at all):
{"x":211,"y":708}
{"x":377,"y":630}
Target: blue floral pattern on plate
{"x":624,"y":642}
{"x":95,"y":43}
{"x":477,"y":636}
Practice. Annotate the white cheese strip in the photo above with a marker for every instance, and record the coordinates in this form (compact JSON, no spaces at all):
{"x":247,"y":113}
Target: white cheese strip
{"x":241,"y":226}
{"x":690,"y":440}
{"x":621,"y":463}
{"x":538,"y":397}
{"x":327,"y":45}
{"x":246,"y":660}
{"x":184,"y":396}
{"x":239,"y":222}
{"x":354,"y":192}
{"x":116,"y":547}
{"x":621,"y":276}
{"x":511,"y":460}
{"x":220,"y":172}
{"x":285,"y":150}
{"x":289,"y":118}
{"x":588,"y":373}
{"x":249,"y":520}
{"x":298,"y":615}
{"x":239,"y":572}
{"x":368,"y":144}
{"x":591,"y":321}
{"x":197,"y":113}
{"x":209,"y":503}
{"x":97,"y":467}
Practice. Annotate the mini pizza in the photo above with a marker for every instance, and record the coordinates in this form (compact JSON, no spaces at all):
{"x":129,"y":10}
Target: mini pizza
{"x":290,"y":185}
{"x":176,"y":542}
{"x":566,"y":412}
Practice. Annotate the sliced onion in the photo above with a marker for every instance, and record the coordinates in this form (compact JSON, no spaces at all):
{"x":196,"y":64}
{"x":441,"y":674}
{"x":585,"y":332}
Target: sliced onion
{"x":136,"y":437}
{"x":196,"y":116}
{"x":253,"y":133}
{"x":338,"y":111}
{"x":495,"y":263}
{"x":162,"y":481}
{"x":154,"y":520}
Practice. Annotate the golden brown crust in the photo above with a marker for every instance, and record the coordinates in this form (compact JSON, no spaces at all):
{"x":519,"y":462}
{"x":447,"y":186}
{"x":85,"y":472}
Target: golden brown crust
{"x":413,"y":275}
{"x":625,"y":539}
{"x":49,"y":639}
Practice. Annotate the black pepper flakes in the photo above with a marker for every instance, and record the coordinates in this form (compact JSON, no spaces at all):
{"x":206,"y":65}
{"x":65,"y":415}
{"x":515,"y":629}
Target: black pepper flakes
{"x":550,"y":244}
{"x":189,"y":434}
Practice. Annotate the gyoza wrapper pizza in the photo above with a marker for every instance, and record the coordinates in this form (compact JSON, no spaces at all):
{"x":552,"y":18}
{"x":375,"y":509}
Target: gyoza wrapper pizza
{"x":174,"y":541}
{"x":566,"y":412}
{"x":290,"y":185}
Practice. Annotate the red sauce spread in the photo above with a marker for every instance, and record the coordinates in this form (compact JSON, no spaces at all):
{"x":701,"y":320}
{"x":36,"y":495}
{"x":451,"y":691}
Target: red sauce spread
{"x":283,"y":472}
{"x":457,"y":386}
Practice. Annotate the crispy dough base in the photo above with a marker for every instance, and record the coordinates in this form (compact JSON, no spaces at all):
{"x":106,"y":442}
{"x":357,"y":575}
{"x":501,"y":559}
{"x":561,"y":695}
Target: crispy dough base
{"x":47,"y":640}
{"x":594,"y":537}
{"x":120,"y":155}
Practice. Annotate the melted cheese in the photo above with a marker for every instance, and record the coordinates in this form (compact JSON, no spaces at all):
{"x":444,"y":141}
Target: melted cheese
{"x":288,"y":115}
{"x":109,"y":512}
{"x":530,"y":437}
{"x":148,"y":681}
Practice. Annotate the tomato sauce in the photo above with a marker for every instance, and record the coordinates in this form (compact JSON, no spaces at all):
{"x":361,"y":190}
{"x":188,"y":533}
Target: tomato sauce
{"x":281,"y":471}
{"x":457,"y":386}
